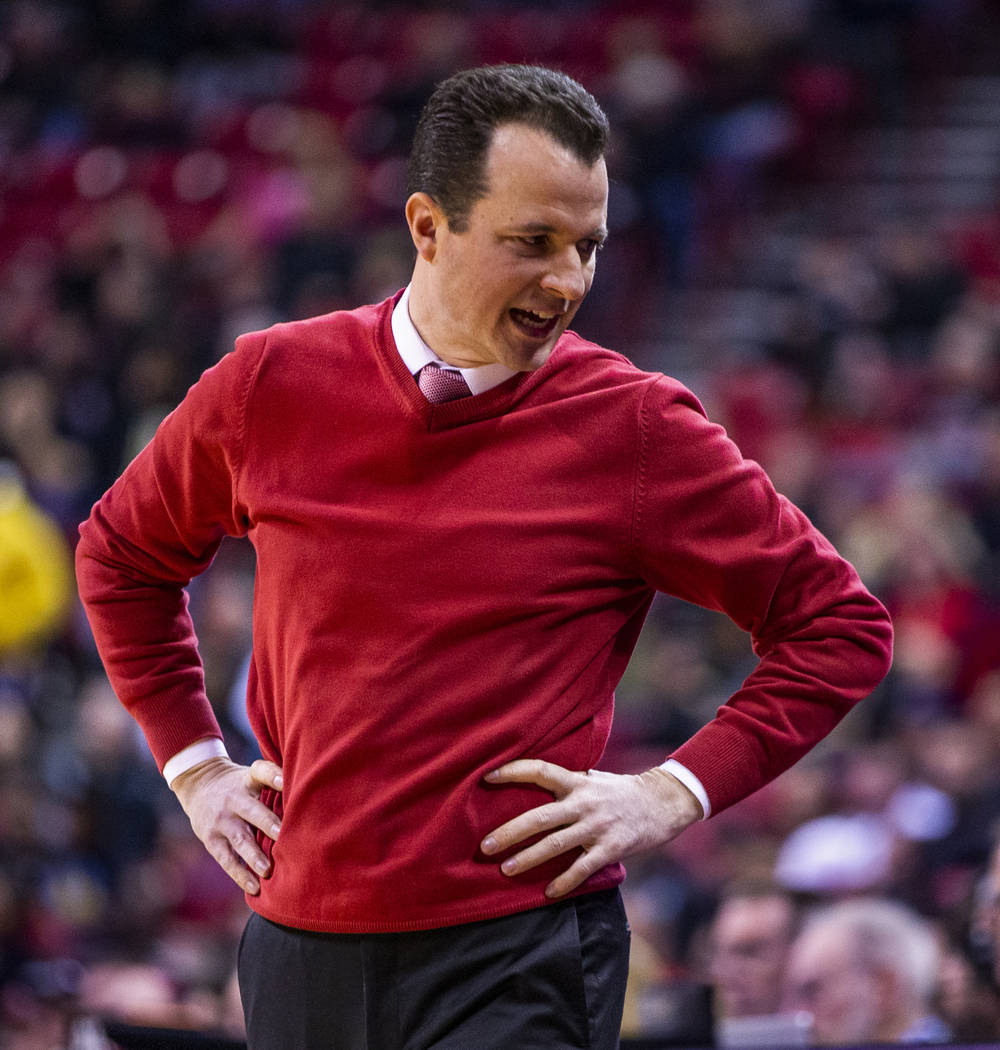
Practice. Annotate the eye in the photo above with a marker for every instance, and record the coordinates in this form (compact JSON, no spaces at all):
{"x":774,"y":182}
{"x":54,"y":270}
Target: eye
{"x":589,"y":248}
{"x":534,"y":242}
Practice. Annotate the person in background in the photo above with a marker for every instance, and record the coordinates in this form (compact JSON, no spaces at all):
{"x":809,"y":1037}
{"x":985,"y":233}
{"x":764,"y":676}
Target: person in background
{"x":985,"y":921}
{"x":749,"y":940}
{"x":993,"y":906}
{"x":36,"y":574}
{"x":866,"y":971}
{"x":967,"y":999}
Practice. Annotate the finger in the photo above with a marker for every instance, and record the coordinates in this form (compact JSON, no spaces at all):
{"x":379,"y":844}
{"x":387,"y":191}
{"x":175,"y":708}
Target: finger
{"x":243,"y":844}
{"x":548,"y":775}
{"x":560,"y":841}
{"x":531,"y":822}
{"x":257,"y":815}
{"x":224,"y":856}
{"x":575,"y":875}
{"x":267,"y":773}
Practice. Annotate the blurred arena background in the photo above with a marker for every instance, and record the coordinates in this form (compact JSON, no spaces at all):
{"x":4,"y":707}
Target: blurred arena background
{"x":805,"y":228}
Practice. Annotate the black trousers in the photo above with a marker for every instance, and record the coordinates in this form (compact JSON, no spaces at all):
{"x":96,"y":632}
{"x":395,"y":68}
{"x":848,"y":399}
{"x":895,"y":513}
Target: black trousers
{"x":548,"y":979}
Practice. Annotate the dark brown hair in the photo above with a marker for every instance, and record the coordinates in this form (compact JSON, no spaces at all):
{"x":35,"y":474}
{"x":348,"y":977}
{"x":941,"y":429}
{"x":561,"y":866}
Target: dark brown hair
{"x":456,"y":127}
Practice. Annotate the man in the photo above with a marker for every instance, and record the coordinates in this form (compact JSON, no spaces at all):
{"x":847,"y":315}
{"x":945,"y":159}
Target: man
{"x":447,"y":593}
{"x":749,"y":940}
{"x":866,"y":970}
{"x":987,"y":914}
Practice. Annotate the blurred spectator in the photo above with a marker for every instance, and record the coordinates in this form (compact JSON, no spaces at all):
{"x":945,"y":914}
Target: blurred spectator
{"x":749,"y":940}
{"x":866,"y":971}
{"x":968,"y":1001}
{"x":142,"y":994}
{"x":41,"y":1010}
{"x":665,"y":996}
{"x":991,"y":909}
{"x":35,"y":574}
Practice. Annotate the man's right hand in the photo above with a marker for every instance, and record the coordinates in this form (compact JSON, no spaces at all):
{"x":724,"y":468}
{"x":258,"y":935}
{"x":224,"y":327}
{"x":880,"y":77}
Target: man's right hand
{"x":222,"y":801}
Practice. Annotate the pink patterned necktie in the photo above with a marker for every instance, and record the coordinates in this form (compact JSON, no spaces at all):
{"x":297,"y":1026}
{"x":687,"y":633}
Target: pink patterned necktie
{"x":439,"y":384}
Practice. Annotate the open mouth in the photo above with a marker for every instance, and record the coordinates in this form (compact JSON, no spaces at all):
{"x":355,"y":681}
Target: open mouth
{"x":537,"y":326}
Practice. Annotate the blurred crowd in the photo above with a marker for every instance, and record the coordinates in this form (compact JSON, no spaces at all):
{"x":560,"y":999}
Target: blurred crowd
{"x":176,"y":172}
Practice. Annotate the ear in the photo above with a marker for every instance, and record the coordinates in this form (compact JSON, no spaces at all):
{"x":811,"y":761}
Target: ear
{"x":425,"y":220}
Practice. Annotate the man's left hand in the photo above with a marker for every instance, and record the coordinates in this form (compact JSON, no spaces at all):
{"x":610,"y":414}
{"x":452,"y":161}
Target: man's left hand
{"x":608,"y":815}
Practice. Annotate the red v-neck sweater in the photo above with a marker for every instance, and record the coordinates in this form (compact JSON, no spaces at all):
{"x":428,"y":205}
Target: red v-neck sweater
{"x":443,"y":588}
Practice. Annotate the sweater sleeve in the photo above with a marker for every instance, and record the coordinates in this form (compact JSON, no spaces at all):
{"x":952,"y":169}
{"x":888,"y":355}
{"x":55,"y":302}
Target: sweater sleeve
{"x":158,"y":526}
{"x":710,"y":528}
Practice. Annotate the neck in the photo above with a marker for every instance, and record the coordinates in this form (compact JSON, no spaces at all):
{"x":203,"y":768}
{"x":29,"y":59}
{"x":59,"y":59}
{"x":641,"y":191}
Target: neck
{"x":426,"y":314}
{"x":421,"y":309}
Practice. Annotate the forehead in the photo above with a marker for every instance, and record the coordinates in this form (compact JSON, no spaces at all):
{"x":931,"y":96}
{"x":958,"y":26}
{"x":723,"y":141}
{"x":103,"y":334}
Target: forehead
{"x":757,"y":916}
{"x":820,"y":951}
{"x":532,"y":179}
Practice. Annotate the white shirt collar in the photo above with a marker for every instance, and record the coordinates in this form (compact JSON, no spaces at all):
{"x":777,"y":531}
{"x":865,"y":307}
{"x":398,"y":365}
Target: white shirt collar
{"x":416,"y":353}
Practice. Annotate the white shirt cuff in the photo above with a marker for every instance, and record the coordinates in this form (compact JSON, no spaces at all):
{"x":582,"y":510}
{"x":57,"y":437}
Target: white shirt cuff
{"x":691,"y":782}
{"x":199,"y":751}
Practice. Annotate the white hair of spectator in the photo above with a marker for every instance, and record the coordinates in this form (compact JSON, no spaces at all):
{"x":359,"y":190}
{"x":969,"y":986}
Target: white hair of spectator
{"x":887,"y":936}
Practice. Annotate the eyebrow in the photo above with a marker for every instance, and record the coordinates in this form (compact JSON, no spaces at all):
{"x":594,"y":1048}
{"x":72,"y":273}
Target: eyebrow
{"x":600,"y":233}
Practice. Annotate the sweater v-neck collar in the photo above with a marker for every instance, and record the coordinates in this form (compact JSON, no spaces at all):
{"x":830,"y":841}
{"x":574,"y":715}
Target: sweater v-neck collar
{"x":472,"y":409}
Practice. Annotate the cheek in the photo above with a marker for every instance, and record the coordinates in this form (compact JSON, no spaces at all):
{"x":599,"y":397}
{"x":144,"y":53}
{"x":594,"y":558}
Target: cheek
{"x":851,"y":1010}
{"x":478,"y":297}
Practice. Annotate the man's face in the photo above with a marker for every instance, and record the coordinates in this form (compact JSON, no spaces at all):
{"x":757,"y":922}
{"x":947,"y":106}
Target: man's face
{"x":506,"y":288}
{"x":750,"y":940}
{"x":824,"y":979}
{"x":993,"y":910}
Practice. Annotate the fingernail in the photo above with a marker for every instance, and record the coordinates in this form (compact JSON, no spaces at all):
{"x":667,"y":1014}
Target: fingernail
{"x":493,"y":774}
{"x":489,"y":844}
{"x":251,"y":886}
{"x":275,"y":828}
{"x":279,"y":782}
{"x":509,"y":866}
{"x":550,"y":892}
{"x":260,"y":866}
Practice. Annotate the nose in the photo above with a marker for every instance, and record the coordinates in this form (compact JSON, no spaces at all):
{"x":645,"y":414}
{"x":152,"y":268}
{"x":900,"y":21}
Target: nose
{"x":566,"y":276}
